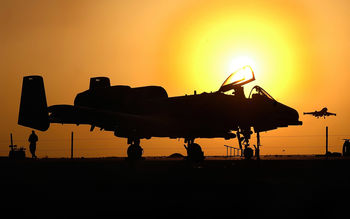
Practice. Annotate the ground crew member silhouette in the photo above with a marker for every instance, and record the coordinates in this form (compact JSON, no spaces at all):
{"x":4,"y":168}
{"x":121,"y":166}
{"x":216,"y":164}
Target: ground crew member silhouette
{"x":33,"y":138}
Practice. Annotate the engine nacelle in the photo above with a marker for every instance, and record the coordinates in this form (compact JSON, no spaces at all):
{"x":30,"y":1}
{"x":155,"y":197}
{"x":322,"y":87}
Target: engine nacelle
{"x":117,"y":98}
{"x":99,"y":82}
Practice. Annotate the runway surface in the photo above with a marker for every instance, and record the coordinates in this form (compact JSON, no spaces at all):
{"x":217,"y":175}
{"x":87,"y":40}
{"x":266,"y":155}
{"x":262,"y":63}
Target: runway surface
{"x":286,"y":186}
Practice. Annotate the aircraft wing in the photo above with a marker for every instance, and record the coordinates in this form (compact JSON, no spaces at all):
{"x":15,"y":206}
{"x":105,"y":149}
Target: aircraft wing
{"x":310,"y":113}
{"x":126,"y":124}
{"x":330,"y":114}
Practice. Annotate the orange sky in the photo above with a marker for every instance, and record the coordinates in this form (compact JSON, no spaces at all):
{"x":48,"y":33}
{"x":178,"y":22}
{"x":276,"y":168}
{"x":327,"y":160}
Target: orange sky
{"x":299,"y":50}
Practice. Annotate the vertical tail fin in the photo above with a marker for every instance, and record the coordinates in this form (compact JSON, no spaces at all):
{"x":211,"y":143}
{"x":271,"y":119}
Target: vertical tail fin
{"x":33,"y":111}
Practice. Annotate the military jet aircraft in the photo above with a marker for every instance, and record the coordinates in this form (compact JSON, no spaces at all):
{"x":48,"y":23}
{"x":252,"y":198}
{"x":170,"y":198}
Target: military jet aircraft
{"x":323,"y":112}
{"x":146,"y":112}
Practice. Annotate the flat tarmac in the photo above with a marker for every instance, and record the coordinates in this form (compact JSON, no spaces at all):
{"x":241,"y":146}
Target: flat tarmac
{"x":275,"y":186}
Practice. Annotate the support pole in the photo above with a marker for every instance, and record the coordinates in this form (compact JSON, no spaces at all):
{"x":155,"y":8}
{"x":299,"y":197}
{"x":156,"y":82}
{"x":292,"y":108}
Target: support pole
{"x":327,"y":140}
{"x":71,"y":146}
{"x":257,"y":150}
{"x":11,"y":139}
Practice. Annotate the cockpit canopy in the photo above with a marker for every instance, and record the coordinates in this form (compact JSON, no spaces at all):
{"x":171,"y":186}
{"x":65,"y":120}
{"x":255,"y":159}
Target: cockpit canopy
{"x":238,"y":78}
{"x":241,"y":77}
{"x":258,"y":91}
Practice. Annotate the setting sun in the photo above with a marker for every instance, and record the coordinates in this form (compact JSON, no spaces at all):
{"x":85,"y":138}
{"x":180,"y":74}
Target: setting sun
{"x":240,"y":77}
{"x":241,"y":61}
{"x":209,"y":45}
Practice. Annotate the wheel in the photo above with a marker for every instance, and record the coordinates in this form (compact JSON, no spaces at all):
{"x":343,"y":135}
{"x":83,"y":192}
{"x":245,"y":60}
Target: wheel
{"x":134,"y":152}
{"x":248,"y":153}
{"x":195,"y":153}
{"x":11,"y":154}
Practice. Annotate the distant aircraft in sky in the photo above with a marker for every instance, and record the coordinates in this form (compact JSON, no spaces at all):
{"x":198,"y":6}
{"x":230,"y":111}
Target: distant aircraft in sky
{"x":323,"y":112}
{"x":146,"y":112}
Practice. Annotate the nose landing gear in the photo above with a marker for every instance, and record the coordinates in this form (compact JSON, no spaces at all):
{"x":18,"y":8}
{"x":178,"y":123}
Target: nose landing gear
{"x":248,"y":151}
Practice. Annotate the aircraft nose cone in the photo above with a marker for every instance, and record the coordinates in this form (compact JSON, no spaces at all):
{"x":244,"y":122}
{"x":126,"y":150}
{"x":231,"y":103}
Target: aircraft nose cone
{"x":291,"y":116}
{"x":294,"y":114}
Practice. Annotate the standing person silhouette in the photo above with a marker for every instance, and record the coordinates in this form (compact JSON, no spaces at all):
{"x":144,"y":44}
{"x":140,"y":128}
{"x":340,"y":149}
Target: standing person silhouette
{"x":33,"y":138}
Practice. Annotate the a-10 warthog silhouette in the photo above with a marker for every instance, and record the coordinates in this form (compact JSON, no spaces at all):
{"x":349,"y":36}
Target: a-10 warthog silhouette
{"x":146,"y":112}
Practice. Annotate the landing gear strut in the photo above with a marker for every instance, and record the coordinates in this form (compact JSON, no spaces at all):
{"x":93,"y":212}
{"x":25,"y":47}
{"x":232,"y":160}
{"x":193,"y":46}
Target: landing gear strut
{"x":247,"y":152}
{"x":134,"y":150}
{"x":194,"y":150}
{"x":257,"y":147}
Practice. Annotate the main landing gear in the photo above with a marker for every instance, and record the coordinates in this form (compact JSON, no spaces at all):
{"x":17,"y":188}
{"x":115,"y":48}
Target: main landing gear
{"x":134,"y":150}
{"x":194,"y":150}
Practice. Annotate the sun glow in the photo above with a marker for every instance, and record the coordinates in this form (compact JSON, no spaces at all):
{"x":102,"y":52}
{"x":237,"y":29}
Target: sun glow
{"x":240,"y":77}
{"x":240,"y":62}
{"x":208,"y":48}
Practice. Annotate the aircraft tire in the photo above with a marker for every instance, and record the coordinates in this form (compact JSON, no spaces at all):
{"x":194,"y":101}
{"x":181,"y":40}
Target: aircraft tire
{"x":248,"y":153}
{"x":134,"y":152}
{"x":195,"y":153}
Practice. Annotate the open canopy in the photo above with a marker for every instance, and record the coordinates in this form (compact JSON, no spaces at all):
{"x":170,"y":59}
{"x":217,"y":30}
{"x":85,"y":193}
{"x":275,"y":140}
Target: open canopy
{"x":240,"y":77}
